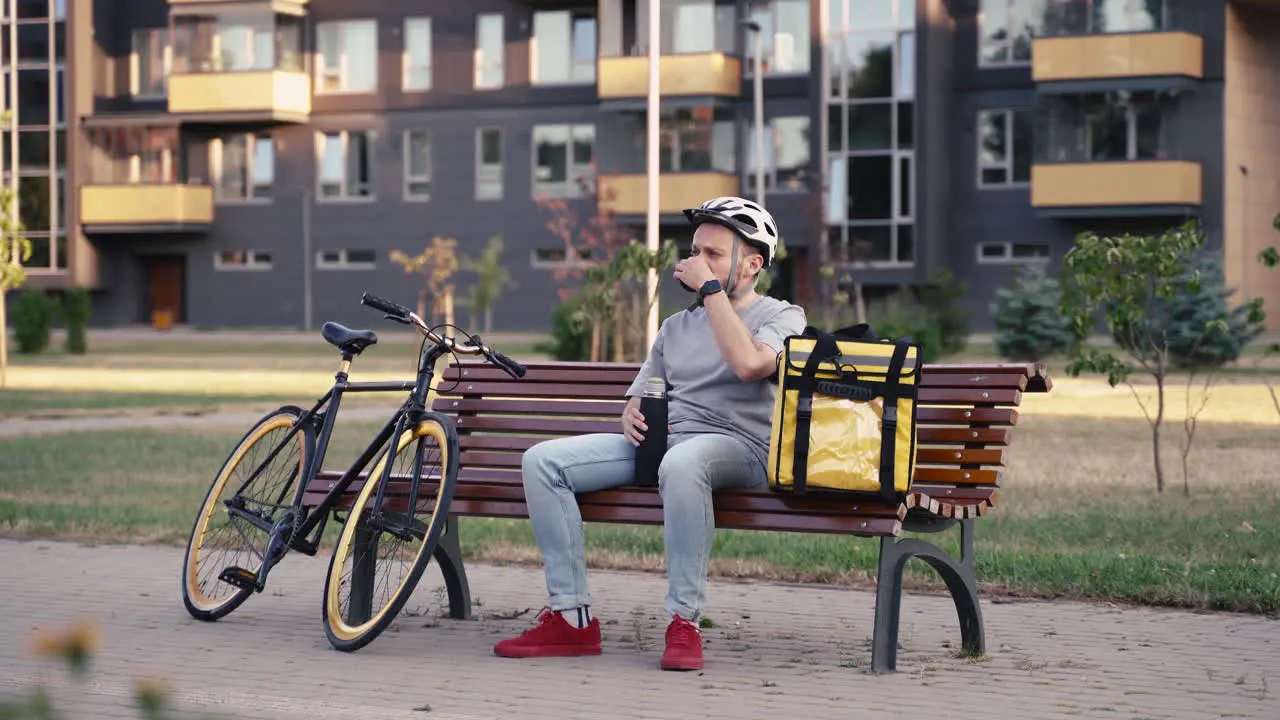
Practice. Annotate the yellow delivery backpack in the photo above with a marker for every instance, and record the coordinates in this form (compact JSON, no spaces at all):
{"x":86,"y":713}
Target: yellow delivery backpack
{"x":844,"y":419}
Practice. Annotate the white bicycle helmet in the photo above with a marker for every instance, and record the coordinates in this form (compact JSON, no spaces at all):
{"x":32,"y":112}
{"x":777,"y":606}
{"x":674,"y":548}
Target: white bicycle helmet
{"x":748,"y":220}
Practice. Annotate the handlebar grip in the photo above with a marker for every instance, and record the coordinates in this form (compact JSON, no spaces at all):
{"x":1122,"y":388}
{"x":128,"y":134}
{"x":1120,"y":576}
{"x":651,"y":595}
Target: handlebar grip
{"x":385,"y":306}
{"x":506,"y":363}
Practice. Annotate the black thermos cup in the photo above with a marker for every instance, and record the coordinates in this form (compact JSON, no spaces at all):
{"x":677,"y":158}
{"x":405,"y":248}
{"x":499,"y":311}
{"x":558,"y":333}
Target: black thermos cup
{"x":653,"y":405}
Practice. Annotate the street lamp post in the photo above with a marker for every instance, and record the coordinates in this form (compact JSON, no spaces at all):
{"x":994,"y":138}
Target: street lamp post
{"x":651,"y":172}
{"x":757,"y":101}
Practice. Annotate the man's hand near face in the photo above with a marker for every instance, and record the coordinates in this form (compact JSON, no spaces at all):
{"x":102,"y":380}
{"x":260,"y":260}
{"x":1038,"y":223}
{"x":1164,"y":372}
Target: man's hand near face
{"x":694,"y":272}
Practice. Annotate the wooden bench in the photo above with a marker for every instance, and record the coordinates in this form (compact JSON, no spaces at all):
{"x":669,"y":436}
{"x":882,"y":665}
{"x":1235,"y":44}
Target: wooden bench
{"x":965,"y":418}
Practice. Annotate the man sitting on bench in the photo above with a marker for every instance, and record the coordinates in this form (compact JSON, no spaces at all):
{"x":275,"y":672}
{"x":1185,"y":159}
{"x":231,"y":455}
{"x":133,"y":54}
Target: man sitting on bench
{"x":717,"y":360}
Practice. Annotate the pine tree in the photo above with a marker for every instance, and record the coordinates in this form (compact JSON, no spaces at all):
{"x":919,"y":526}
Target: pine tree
{"x":1029,"y":323}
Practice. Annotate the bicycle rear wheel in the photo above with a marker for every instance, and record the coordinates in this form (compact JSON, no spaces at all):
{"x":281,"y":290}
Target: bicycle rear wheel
{"x":220,"y":539}
{"x":386,"y":544}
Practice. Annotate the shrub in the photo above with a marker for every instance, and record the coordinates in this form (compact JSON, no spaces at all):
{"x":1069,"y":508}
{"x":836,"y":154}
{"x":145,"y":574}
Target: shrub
{"x":570,"y":334}
{"x":945,"y":313}
{"x":33,"y":313}
{"x":1203,"y":331}
{"x":76,"y":310}
{"x":1029,"y":325}
{"x":903,"y":316}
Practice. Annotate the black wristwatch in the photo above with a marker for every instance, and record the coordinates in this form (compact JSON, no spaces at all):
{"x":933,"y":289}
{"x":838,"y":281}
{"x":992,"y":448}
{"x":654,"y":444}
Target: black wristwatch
{"x":710,"y":287}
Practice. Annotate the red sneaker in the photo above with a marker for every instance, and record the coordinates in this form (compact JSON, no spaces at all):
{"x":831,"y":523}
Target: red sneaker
{"x":552,"y":637}
{"x":684,"y":646}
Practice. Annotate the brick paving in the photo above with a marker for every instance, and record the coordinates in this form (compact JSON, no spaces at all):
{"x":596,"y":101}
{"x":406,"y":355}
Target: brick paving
{"x":780,"y":651}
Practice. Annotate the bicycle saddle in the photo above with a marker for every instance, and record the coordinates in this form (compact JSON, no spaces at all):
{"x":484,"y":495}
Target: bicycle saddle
{"x":348,"y":340}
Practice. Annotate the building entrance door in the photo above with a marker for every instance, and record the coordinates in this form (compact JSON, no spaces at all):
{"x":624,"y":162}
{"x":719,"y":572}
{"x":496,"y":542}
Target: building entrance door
{"x":166,"y":282}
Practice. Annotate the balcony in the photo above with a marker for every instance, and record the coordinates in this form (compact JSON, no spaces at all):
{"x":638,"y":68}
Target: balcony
{"x":1128,"y":188}
{"x":1117,"y":55}
{"x":628,"y":194}
{"x":146,"y":208}
{"x":697,"y":74}
{"x":241,"y":96}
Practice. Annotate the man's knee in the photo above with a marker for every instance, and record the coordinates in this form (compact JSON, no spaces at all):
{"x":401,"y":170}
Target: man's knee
{"x":539,"y":463}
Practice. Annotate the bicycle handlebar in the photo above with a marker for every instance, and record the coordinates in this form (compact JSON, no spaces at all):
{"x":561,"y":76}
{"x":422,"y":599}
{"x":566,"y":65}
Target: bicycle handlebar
{"x":400,"y":313}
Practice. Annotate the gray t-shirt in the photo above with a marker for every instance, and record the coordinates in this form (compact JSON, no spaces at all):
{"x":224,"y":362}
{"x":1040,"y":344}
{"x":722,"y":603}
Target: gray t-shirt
{"x":704,"y":395}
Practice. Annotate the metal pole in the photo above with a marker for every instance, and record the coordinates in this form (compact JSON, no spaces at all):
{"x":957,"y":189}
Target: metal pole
{"x":651,"y":178}
{"x":757,"y":90}
{"x":307,"y":259}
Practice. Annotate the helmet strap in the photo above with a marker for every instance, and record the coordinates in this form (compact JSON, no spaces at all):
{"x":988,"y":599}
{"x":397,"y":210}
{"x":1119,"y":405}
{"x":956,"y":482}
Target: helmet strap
{"x":732,"y":290}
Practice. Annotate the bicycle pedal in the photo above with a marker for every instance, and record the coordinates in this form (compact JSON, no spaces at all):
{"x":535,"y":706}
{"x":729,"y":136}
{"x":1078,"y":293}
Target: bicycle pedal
{"x":239,"y":577}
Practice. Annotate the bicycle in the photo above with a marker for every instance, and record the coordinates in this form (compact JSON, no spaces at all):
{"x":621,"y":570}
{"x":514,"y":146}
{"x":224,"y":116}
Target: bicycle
{"x":385,"y":510}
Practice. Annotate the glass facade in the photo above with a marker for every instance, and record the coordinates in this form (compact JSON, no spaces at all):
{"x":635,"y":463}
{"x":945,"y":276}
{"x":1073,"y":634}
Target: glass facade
{"x":34,"y":69}
{"x":870,"y":160}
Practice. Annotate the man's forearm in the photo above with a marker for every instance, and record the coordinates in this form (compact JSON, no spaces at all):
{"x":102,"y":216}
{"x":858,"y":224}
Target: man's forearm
{"x":735,"y":341}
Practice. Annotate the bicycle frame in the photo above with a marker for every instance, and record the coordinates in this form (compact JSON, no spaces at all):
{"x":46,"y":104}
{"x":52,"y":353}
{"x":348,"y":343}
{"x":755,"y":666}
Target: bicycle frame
{"x":312,"y":522}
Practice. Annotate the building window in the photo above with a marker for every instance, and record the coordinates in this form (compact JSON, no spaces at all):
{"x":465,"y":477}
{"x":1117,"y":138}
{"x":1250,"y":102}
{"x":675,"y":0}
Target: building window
{"x":562,"y":157}
{"x":563,"y":47}
{"x":690,"y":26}
{"x":347,"y":56}
{"x":554,"y":258}
{"x":150,"y":63}
{"x":996,"y":253}
{"x":1006,"y":28}
{"x":132,"y":155}
{"x":417,"y":54}
{"x":490,"y":51}
{"x":1096,"y":17}
{"x":243,"y":167}
{"x":489,"y":163}
{"x":697,"y":140}
{"x":417,"y":165}
{"x":346,"y":164}
{"x":870,"y":156}
{"x":1099,"y":127}
{"x":237,"y":42}
{"x":786,"y":155}
{"x":242,"y":260}
{"x":1004,"y":148}
{"x":346,"y":260}
{"x":784,"y":38}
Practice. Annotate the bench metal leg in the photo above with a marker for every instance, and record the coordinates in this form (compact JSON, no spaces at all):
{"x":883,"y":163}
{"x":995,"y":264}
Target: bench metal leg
{"x":448,"y":555}
{"x":958,"y":575}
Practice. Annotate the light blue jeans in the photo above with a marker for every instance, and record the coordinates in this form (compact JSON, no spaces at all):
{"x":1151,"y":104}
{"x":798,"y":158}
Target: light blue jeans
{"x":694,"y":465}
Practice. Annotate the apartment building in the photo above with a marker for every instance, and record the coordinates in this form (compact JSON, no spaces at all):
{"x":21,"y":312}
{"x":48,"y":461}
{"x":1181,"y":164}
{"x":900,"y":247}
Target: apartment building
{"x":254,"y":162}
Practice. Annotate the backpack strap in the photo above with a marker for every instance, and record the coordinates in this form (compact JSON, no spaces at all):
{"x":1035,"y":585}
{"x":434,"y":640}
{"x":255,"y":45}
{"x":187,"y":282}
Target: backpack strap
{"x":824,"y":348}
{"x":889,"y":422}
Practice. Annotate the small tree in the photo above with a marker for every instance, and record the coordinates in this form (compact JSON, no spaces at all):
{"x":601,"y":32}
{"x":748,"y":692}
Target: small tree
{"x":491,"y":278}
{"x":1122,"y":279}
{"x":613,"y":268}
{"x":1270,"y":258}
{"x":1204,"y":334}
{"x":436,"y":264}
{"x":15,"y":249}
{"x":1030,"y":325}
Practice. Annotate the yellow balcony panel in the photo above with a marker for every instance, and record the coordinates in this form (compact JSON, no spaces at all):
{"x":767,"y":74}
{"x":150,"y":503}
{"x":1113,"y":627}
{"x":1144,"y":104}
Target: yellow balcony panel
{"x":1137,"y":184}
{"x":188,"y":6}
{"x":247,"y":96}
{"x":132,"y":208}
{"x":1117,"y":55}
{"x":628,"y":194}
{"x":714,"y":74}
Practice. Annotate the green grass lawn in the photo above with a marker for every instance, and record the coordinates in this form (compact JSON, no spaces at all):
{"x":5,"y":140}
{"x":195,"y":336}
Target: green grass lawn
{"x":1077,"y":516}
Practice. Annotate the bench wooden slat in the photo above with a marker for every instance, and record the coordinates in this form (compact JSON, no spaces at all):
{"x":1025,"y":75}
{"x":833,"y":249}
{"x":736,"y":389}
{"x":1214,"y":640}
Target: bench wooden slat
{"x":940,"y":456}
{"x":589,"y":408}
{"x":611,"y":410}
{"x":624,"y":378}
{"x":738,"y":500}
{"x":939,"y":396}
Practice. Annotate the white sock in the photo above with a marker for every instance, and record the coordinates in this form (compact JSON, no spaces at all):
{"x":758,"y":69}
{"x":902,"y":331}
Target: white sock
{"x":578,"y":617}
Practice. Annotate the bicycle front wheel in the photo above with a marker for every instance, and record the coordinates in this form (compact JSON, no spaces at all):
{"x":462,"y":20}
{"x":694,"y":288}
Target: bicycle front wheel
{"x":389,"y":536}
{"x":260,"y":479}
